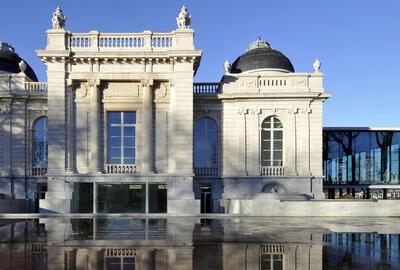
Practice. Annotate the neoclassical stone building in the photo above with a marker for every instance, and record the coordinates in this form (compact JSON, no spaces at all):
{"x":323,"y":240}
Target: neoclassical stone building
{"x":121,"y":127}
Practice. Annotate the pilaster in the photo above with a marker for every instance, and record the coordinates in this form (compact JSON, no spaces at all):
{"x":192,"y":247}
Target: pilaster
{"x":94,"y":120}
{"x":147,"y":139}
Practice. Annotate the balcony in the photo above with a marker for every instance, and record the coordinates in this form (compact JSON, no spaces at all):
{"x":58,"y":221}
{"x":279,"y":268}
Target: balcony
{"x":204,"y":89}
{"x":207,"y":172}
{"x":121,"y":168}
{"x":272,"y":171}
{"x":36,"y":88}
{"x":38,"y":171}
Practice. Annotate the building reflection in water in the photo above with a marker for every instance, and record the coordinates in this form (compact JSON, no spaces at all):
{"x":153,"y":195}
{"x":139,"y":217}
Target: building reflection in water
{"x":191,"y":243}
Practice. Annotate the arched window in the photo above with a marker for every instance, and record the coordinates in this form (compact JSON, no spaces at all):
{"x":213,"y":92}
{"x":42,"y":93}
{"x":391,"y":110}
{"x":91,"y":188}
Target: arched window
{"x":205,"y":143}
{"x":39,"y":143}
{"x":271,"y":142}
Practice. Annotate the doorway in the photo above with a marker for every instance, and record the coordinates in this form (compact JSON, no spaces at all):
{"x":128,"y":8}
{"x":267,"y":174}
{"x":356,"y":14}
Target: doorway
{"x":206,"y":199}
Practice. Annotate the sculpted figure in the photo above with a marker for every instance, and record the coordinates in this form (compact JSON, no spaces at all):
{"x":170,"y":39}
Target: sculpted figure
{"x":317,"y":65}
{"x":58,"y":19}
{"x":227,"y":66}
{"x":184,"y":19}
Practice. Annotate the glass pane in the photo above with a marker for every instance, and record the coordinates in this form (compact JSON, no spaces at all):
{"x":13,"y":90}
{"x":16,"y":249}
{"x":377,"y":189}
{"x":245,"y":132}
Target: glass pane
{"x":277,"y":145}
{"x":114,"y":117}
{"x":266,"y":134}
{"x":278,"y":155}
{"x":157,"y":198}
{"x":129,"y":152}
{"x":129,"y":160}
{"x":82,"y":198}
{"x":267,"y":123}
{"x":116,"y":160}
{"x":114,"y":132}
{"x":129,"y":141}
{"x":121,"y":198}
{"x":266,"y":262}
{"x":278,"y":135}
{"x":129,"y":117}
{"x":114,"y":142}
{"x":129,"y":131}
{"x":114,"y":152}
{"x":113,"y":263}
{"x":277,"y":123}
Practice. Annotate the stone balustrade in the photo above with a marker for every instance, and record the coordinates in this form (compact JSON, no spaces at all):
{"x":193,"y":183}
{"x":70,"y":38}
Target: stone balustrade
{"x":94,"y":41}
{"x":206,"y":171}
{"x":272,"y":249}
{"x":206,"y":88}
{"x":272,"y":171}
{"x":38,"y":171}
{"x":36,"y":87}
{"x":121,"y":168}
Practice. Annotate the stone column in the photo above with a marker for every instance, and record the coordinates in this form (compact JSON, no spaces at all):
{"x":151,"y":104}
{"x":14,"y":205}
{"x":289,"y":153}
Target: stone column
{"x":94,"y":120}
{"x":147,"y":125}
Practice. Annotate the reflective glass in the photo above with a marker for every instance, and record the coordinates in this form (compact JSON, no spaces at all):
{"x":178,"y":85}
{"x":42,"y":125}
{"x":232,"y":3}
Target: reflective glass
{"x":121,"y":137}
{"x":40,"y":142}
{"x":205,"y":143}
{"x":157,"y":198}
{"x":121,"y":198}
{"x":367,"y":157}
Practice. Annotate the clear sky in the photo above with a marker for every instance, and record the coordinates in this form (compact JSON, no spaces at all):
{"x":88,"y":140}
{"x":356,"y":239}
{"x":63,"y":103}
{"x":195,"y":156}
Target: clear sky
{"x":357,"y":41}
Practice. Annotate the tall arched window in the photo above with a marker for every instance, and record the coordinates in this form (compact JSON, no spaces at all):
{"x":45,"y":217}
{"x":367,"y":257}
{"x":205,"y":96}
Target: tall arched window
{"x":39,"y":143}
{"x":271,"y":142}
{"x":205,"y":143}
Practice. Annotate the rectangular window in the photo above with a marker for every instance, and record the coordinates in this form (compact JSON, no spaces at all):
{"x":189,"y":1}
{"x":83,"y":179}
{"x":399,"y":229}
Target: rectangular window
{"x":82,"y":198}
{"x":157,"y":198}
{"x":121,"y":198}
{"x":121,"y":137}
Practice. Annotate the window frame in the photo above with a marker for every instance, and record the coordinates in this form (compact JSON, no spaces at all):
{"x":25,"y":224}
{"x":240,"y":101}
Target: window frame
{"x":272,"y":149}
{"x":46,"y":140}
{"x":122,"y":146}
{"x":204,"y":150}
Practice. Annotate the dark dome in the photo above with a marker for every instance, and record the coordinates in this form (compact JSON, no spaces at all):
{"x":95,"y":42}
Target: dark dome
{"x":9,"y":62}
{"x":260,"y":55}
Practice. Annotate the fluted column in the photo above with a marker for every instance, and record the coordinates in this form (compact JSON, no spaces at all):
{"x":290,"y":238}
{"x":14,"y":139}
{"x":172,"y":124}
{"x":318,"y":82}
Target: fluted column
{"x":94,"y":120}
{"x":147,"y":138}
{"x":70,"y":127}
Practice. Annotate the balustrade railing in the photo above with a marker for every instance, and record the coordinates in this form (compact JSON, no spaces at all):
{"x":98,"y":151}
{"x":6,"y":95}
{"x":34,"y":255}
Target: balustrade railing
{"x":272,"y":249}
{"x":123,"y":41}
{"x":121,"y":168}
{"x":206,"y":88}
{"x":272,"y":170}
{"x":38,"y":171}
{"x":36,"y":87}
{"x":206,"y":171}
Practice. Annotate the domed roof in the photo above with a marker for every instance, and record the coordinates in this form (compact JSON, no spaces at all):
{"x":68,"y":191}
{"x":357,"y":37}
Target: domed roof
{"x":9,"y":62}
{"x":260,"y":55}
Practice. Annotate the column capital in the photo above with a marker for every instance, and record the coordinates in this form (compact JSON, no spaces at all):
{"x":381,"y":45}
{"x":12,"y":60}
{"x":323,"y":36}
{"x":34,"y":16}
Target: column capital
{"x":93,"y":82}
{"x":147,"y":82}
{"x":172,"y":82}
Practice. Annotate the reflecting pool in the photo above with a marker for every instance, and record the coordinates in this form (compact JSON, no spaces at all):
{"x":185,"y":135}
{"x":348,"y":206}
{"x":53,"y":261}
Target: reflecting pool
{"x":195,"y":243}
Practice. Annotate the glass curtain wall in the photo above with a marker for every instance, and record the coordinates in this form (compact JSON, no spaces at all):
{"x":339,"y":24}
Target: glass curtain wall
{"x":361,"y":157}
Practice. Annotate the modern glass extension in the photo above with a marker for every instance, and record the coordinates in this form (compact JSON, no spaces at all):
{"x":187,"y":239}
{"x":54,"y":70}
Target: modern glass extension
{"x":363,"y":157}
{"x":119,"y":198}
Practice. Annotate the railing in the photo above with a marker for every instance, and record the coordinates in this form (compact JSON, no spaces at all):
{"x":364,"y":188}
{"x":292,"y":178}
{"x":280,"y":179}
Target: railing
{"x":206,"y":88}
{"x":36,"y":87}
{"x":206,"y":171}
{"x":272,"y":171}
{"x":122,"y":41}
{"x":121,"y":168}
{"x":272,"y":249}
{"x":38,"y":171}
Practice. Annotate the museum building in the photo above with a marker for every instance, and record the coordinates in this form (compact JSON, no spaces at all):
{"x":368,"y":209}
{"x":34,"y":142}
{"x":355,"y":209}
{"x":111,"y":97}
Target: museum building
{"x":120,"y":126}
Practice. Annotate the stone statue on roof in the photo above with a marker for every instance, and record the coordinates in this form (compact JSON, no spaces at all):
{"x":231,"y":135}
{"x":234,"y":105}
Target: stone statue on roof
{"x":58,"y":19}
{"x":184,"y":19}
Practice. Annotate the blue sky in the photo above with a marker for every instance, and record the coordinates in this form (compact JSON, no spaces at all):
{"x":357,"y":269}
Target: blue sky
{"x":357,"y":41}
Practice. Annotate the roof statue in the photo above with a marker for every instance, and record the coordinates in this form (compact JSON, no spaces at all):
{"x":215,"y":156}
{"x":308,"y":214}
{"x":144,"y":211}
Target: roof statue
{"x":317,"y":66}
{"x":184,"y":19}
{"x":227,"y":66}
{"x":58,"y":19}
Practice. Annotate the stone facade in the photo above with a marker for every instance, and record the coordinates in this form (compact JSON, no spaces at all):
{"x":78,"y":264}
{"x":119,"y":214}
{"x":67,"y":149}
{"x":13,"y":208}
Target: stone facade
{"x":151,"y":74}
